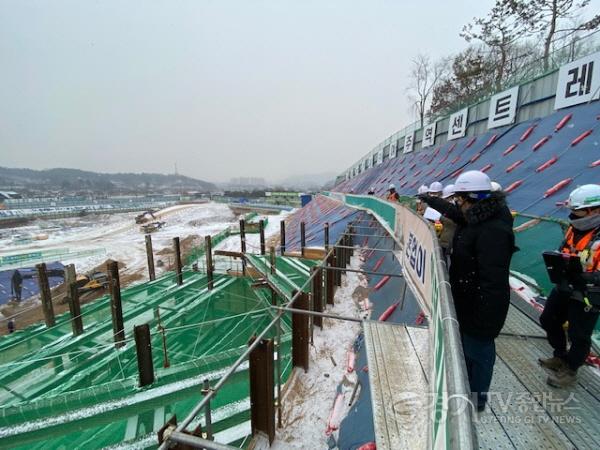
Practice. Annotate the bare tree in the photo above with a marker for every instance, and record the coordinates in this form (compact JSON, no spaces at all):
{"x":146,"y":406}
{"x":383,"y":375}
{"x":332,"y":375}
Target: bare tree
{"x":499,"y":30}
{"x":471,"y":74}
{"x":425,"y":76}
{"x":551,"y":18}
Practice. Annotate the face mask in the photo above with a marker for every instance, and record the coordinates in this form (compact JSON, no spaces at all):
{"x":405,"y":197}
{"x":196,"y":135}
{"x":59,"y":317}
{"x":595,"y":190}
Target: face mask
{"x":584,"y":223}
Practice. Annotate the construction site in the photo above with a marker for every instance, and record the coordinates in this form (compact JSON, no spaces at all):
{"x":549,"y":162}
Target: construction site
{"x":301,"y":321}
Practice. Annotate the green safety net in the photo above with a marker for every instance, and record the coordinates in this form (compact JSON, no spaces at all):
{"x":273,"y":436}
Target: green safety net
{"x":60,"y":391}
{"x":199,"y":251}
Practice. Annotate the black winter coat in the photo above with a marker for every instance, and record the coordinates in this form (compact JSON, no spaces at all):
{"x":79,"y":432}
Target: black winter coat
{"x":482,"y":248}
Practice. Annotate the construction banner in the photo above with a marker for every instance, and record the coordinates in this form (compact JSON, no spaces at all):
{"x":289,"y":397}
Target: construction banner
{"x":416,"y":238}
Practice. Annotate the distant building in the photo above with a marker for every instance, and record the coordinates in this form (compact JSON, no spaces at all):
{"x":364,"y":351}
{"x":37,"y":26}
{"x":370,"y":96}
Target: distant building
{"x":247,"y":183}
{"x":5,"y":195}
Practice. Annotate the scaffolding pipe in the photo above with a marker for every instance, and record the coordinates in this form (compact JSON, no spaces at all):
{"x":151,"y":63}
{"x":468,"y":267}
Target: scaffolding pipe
{"x":202,"y":404}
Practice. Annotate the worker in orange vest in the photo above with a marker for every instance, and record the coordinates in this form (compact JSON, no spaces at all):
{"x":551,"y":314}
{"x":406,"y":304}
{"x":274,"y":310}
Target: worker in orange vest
{"x":577,"y":302}
{"x":392,"y":195}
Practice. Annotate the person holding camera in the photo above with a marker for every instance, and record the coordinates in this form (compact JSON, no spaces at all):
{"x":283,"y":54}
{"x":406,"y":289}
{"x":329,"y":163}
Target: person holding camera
{"x":576,"y":298}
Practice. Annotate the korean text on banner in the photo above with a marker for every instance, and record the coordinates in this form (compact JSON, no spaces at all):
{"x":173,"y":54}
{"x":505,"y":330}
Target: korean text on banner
{"x":578,"y":82}
{"x":416,"y":256}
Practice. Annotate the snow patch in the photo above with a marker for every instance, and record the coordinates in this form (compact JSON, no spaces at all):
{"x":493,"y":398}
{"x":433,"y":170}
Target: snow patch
{"x":308,"y":407}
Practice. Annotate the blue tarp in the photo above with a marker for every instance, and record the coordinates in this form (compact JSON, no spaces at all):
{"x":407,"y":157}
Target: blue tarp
{"x":30,"y":281}
{"x":489,"y":152}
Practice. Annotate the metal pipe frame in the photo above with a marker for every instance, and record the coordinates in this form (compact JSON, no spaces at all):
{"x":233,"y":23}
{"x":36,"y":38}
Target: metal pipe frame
{"x":196,"y":410}
{"x":315,"y":313}
{"x":370,"y":235}
{"x":366,"y":272}
{"x":368,"y":248}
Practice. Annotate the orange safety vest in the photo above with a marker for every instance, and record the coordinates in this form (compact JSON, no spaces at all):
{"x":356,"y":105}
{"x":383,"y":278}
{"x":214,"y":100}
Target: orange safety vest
{"x":590,"y":258}
{"x":392,"y":196}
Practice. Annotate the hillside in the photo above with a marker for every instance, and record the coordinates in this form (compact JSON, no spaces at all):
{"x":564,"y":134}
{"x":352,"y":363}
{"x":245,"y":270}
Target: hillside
{"x":77,"y":180}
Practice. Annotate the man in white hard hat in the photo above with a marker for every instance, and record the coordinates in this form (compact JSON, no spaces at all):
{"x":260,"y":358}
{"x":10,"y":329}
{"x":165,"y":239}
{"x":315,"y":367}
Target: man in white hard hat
{"x":576,"y":300}
{"x":371,"y":191}
{"x":435,"y":189}
{"x":482,"y":248}
{"x":392,"y":195}
{"x":448,"y":193}
{"x":420,"y":207}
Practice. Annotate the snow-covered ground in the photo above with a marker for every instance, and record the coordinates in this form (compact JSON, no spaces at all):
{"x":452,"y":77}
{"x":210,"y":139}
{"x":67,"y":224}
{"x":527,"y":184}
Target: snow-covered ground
{"x":308,"y":409}
{"x":233,"y":243}
{"x":119,"y":236}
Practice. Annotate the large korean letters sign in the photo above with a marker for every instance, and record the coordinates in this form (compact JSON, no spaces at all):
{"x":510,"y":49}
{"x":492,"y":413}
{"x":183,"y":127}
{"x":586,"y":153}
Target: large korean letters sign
{"x":578,"y":82}
{"x":457,"y":126}
{"x":428,"y":136}
{"x":392,"y":150}
{"x":503,"y":108}
{"x":409,"y":141}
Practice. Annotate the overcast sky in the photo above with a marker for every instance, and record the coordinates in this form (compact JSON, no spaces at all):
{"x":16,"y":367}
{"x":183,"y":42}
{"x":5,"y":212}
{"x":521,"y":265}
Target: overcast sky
{"x":223,"y":88}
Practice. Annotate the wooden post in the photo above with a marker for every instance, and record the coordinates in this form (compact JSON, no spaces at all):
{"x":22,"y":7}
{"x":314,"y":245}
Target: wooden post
{"x":150,"y":257}
{"x":262,"y":386}
{"x":243,"y":242}
{"x":75,"y":309}
{"x":243,"y":235}
{"x":329,"y":283}
{"x":116,"y":308}
{"x":302,"y":237}
{"x":209,"y":262}
{"x":69,"y":277}
{"x":282,"y":236}
{"x":300,"y":333}
{"x":326,"y":236}
{"x":143,"y":348}
{"x":261,"y":229}
{"x":46,"y":295}
{"x":337,"y":258}
{"x":272,"y":253}
{"x":347,"y":251}
{"x":317,"y":294}
{"x":178,"y":260}
{"x":342,"y":254}
{"x":351,"y":241}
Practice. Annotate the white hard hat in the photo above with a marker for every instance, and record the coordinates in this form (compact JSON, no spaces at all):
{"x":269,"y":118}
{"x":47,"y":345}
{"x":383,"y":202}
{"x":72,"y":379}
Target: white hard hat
{"x":496,"y":187}
{"x":422,"y":189}
{"x":392,"y":186}
{"x":586,"y":196}
{"x":472,"y":181}
{"x":436,"y":187}
{"x":448,"y":191}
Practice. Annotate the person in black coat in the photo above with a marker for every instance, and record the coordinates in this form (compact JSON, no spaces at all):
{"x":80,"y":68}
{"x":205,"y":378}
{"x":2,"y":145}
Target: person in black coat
{"x":16,"y":284}
{"x":482,"y":248}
